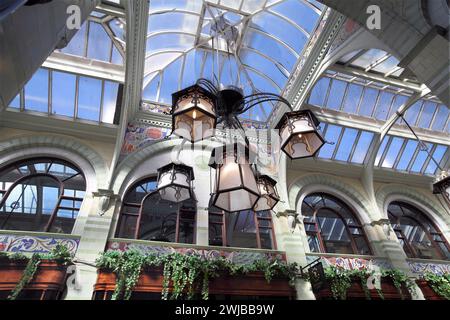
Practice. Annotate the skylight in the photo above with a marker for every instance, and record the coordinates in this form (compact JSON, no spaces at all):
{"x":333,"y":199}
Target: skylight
{"x":409,"y":156}
{"x":101,"y":37}
{"x":375,"y":100}
{"x":259,"y":45}
{"x":346,"y":144}
{"x":69,"y":95}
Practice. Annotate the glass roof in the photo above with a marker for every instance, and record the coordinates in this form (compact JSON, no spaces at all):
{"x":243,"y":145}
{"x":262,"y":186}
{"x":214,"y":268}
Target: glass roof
{"x":101,"y":37}
{"x":375,"y":61}
{"x":347,"y":144}
{"x":352,"y":95}
{"x":408,"y":155}
{"x":258,"y":45}
{"x":66,"y":94}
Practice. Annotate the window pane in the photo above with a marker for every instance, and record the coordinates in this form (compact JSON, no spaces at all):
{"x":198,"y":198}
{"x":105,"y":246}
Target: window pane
{"x":241,"y":229}
{"x":99,"y":44}
{"x":63,"y":93}
{"x":332,"y":135}
{"x":109,"y":101}
{"x":394,"y":148}
{"x":336,"y":94}
{"x":365,"y":140}
{"x":346,"y":145}
{"x":352,"y":98}
{"x":36,"y":92}
{"x":319,"y":92}
{"x":368,"y":101}
{"x":89,"y":98}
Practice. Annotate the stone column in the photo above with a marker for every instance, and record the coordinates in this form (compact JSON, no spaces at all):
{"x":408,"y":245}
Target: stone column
{"x":93,"y":241}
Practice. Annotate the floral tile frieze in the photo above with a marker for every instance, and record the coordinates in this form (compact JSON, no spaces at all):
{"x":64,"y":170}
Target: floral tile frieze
{"x":420,"y":268}
{"x":352,"y":263}
{"x":238,"y":257}
{"x":35,"y":244}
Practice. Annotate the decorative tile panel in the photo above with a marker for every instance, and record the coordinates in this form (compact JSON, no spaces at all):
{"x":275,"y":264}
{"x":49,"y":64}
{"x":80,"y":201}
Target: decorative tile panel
{"x":35,"y":244}
{"x":352,"y":263}
{"x":238,"y":257}
{"x":139,"y":135}
{"x":420,"y":268}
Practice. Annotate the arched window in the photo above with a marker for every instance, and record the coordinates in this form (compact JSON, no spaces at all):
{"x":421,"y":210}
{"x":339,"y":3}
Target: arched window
{"x":144,"y":215}
{"x":40,"y":195}
{"x":332,"y":227}
{"x":418,"y":235}
{"x":245,"y":229}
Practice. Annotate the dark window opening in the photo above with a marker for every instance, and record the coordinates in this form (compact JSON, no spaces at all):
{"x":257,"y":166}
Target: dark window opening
{"x":418,"y":235}
{"x":146,"y":216}
{"x":245,"y":229}
{"x":332,"y":227}
{"x":43,"y":195}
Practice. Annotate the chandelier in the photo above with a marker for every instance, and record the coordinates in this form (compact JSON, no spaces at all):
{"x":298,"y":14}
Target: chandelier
{"x":198,"y":109}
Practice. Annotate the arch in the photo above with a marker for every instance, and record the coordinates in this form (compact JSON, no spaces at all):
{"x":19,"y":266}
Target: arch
{"x":332,"y":226}
{"x":41,"y":194}
{"x":419,"y":235}
{"x":130,"y":170}
{"x":311,"y":183}
{"x":89,"y":161}
{"x":145,"y":215}
{"x":396,"y":192}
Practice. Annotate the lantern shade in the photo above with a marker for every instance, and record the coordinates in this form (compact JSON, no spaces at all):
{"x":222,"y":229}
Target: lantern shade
{"x":175,"y":182}
{"x":299,"y":135}
{"x":235,"y":187}
{"x":269,"y":195}
{"x":193,"y":114}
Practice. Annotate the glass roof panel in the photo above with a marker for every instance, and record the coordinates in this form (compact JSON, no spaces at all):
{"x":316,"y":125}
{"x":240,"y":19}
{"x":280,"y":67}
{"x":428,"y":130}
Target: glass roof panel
{"x":331,"y":132}
{"x":360,"y":153}
{"x":392,"y":153}
{"x":346,"y":145}
{"x":101,"y":38}
{"x":438,"y":155}
{"x":259,"y":44}
{"x":338,"y":89}
{"x":352,"y":95}
{"x":406,"y":155}
{"x":74,"y":96}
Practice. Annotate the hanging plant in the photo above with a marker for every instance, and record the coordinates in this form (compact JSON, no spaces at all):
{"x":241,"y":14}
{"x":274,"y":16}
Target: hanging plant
{"x":439,"y":283}
{"x":399,"y":279}
{"x":339,"y":280}
{"x":60,"y":254}
{"x":186,"y":274}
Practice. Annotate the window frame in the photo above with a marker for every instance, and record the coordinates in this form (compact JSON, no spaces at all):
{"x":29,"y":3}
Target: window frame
{"x":317,"y":232}
{"x":61,"y":196}
{"x":258,"y":228}
{"x":430,"y":235}
{"x":139,"y":214}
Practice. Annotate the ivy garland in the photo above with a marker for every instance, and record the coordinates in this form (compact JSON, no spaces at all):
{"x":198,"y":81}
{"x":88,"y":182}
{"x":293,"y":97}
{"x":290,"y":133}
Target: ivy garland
{"x":341,"y":279}
{"x":59,"y":254}
{"x":439,"y":283}
{"x":186,"y":273}
{"x":399,"y":279}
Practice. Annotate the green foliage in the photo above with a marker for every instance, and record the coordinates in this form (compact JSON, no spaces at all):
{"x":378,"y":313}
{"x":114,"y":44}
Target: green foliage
{"x":439,"y":283}
{"x":27,"y":276}
{"x":399,"y":279}
{"x":187,"y":274}
{"x":59,"y":254}
{"x":340,"y":280}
